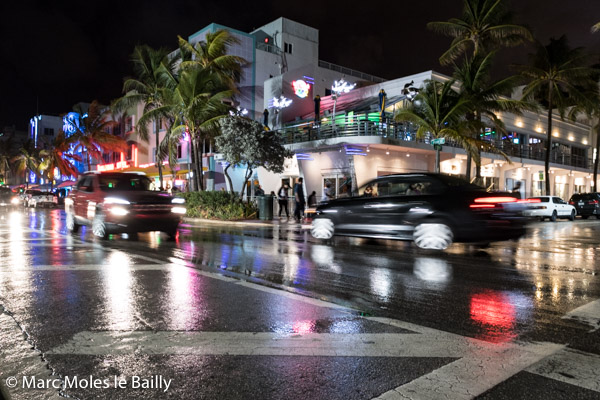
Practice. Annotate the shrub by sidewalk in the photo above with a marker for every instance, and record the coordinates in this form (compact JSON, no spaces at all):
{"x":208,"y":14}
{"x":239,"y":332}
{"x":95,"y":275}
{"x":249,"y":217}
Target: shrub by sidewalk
{"x":218,"y":205}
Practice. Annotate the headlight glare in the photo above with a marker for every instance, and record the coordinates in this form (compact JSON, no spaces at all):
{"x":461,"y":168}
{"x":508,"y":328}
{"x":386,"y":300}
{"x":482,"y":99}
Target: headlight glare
{"x":115,"y":200}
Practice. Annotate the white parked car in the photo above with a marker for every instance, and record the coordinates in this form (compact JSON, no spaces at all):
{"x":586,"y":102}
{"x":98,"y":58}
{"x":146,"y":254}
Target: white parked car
{"x":42,"y":199}
{"x":551,"y":207}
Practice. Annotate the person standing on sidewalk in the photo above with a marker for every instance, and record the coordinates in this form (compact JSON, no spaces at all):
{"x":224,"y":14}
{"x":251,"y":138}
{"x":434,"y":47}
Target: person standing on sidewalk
{"x":299,"y":199}
{"x":282,"y":197}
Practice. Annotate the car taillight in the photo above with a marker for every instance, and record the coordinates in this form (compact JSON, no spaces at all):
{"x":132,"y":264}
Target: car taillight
{"x":593,"y":202}
{"x":491,"y":202}
{"x":571,"y":202}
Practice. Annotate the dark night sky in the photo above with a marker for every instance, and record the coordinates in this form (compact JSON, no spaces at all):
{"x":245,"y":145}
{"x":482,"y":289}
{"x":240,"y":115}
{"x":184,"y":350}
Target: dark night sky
{"x":55,"y":54}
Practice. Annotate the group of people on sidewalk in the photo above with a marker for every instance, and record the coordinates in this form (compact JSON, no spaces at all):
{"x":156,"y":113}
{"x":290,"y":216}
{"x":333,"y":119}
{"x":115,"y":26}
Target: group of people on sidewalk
{"x":300,"y":202}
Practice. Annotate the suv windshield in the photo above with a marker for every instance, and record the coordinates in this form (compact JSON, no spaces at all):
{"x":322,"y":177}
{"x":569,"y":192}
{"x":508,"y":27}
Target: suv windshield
{"x":123,"y":182}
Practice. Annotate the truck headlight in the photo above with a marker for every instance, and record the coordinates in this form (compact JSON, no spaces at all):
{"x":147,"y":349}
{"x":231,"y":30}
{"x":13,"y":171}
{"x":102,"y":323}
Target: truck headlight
{"x":178,"y":210}
{"x":120,"y":211}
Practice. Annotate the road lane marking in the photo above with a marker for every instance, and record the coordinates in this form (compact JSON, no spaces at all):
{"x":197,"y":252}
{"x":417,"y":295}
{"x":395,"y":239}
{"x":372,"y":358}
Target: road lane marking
{"x":571,"y":366}
{"x":475,"y":373}
{"x":588,"y":314}
{"x":262,"y":343}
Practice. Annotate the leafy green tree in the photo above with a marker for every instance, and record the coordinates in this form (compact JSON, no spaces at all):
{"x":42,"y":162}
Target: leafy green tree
{"x":92,"y":133}
{"x":155,"y":77}
{"x":486,"y":97}
{"x":59,"y":156}
{"x":246,"y":142}
{"x":484,"y":26}
{"x":557,"y":76}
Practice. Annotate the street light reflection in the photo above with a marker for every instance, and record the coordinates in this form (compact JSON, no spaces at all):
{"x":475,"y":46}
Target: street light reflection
{"x":435,"y":270}
{"x":118,"y":279}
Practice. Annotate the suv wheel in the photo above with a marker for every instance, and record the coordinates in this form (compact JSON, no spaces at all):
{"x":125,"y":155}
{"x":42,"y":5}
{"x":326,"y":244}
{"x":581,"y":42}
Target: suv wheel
{"x":433,"y":236}
{"x":553,"y":217}
{"x":72,"y":226}
{"x":99,"y":226}
{"x":572,"y":216}
{"x":322,"y":228}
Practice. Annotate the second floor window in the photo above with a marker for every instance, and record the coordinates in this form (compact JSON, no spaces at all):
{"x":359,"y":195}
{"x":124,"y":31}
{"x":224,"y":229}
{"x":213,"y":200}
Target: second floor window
{"x":49,"y":131}
{"x":287,"y":48}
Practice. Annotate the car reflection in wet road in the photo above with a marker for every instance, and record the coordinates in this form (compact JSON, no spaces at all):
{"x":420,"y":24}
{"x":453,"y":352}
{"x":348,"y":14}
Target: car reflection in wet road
{"x":56,"y":285}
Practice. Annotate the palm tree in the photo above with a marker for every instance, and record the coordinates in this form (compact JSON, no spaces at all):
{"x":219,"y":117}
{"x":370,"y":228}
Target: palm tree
{"x":154,"y":71}
{"x":211,"y":54}
{"x":438,"y":110}
{"x":59,"y":156}
{"x":26,"y":161}
{"x":91,"y":134}
{"x":557,"y":76}
{"x":5,"y":156}
{"x":211,"y":75}
{"x":196,"y":106}
{"x":596,"y":28}
{"x":484,"y":26}
{"x":486,"y":96}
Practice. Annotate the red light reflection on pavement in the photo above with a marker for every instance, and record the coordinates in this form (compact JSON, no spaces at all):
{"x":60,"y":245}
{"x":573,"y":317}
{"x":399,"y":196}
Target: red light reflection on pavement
{"x":303,"y":327}
{"x":495,"y":314}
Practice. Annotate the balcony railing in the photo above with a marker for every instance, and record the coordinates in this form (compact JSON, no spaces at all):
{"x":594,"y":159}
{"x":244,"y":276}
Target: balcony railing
{"x":396,"y":133}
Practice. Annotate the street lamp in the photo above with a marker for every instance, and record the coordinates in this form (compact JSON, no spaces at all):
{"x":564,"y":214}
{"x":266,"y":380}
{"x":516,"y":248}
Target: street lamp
{"x":279,"y":103}
{"x":337,"y":89}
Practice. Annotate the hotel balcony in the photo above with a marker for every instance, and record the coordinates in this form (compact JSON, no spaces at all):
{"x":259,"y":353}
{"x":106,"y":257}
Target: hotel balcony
{"x":367,"y":129}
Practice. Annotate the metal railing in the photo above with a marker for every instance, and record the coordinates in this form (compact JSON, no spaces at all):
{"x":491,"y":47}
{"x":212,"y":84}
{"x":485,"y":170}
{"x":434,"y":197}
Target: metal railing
{"x":269,"y":48}
{"x":396,"y":133}
{"x":349,"y":71}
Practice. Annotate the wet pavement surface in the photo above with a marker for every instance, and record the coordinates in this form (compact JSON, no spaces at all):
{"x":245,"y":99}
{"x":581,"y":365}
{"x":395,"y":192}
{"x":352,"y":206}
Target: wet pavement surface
{"x":234,"y":312}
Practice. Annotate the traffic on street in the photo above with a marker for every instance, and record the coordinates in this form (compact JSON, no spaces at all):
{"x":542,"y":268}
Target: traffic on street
{"x":267,"y":311}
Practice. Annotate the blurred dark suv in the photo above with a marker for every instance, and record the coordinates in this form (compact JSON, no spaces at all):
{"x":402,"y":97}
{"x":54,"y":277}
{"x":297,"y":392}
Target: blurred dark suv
{"x":433,"y":210}
{"x":586,"y":204}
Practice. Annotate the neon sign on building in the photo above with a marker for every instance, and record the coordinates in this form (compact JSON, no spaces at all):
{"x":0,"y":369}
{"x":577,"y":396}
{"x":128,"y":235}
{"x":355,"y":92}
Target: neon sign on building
{"x":301,"y":88}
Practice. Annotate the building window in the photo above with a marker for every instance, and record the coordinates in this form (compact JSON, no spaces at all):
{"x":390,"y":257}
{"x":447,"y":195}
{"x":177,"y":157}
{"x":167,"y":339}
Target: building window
{"x":287,"y":48}
{"x":129,"y":124}
{"x":117,"y":130}
{"x":179,"y":151}
{"x":49,"y":131}
{"x":154,"y":154}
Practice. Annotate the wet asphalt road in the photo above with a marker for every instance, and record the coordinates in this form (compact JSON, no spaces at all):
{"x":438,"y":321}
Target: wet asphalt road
{"x":232,"y":312}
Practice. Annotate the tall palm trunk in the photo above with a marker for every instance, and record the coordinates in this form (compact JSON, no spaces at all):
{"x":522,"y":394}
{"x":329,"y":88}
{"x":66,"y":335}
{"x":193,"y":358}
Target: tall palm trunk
{"x":200,"y":166}
{"x":195,"y":164}
{"x":158,"y":160}
{"x":548,"y":142}
{"x":478,"y":160}
{"x":597,"y":157}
